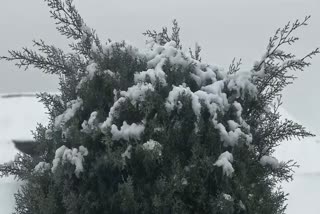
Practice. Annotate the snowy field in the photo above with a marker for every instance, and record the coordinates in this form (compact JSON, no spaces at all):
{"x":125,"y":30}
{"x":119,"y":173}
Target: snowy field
{"x":305,"y":189}
{"x":18,"y":116}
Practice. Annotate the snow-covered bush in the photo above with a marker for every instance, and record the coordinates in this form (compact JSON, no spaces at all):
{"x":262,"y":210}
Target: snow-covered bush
{"x":155,"y":130}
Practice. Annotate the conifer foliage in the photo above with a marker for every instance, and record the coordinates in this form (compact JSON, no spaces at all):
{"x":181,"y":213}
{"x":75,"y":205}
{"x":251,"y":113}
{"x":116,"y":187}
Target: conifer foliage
{"x":155,"y":130}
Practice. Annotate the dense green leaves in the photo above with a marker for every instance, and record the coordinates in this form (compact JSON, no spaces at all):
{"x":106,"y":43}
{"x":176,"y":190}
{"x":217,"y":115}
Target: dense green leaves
{"x":141,"y":132}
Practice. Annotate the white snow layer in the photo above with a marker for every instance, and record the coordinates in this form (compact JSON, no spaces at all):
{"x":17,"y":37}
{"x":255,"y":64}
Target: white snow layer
{"x":74,"y":156}
{"x":214,"y":85}
{"x":127,"y":153}
{"x":271,"y":161}
{"x":127,"y":132}
{"x":91,"y":125}
{"x":213,"y":82}
{"x":135,"y":94}
{"x":73,"y":107}
{"x":172,"y":99}
{"x":152,"y":145}
{"x":16,"y":122}
{"x":42,"y":167}
{"x":224,"y":161}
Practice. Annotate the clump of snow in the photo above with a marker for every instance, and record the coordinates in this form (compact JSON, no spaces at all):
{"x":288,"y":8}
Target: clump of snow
{"x":240,"y":82}
{"x":91,"y":68}
{"x":158,"y":129}
{"x":203,"y":73}
{"x":112,"y":113}
{"x":91,"y":125}
{"x":152,"y":145}
{"x":176,"y":92}
{"x":41,"y":167}
{"x":91,"y":71}
{"x":233,"y":125}
{"x":224,"y":161}
{"x":184,"y":181}
{"x":127,"y":153}
{"x":124,"y":46}
{"x":83,"y":150}
{"x":230,"y":138}
{"x":58,"y":154}
{"x":74,"y":156}
{"x":242,"y":206}
{"x":158,"y":54}
{"x":127,"y":132}
{"x":110,"y":73}
{"x":227,"y":197}
{"x":271,"y":161}
{"x":213,"y":102}
{"x":73,"y":107}
{"x":137,"y":92}
{"x":154,"y":75}
{"x":238,"y":109}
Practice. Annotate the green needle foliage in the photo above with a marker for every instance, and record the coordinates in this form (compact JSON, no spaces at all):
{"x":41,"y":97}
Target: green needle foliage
{"x":155,"y":131}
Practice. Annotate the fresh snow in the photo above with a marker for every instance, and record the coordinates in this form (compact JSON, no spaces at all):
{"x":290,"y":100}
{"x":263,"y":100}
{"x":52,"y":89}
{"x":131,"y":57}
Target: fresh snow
{"x":16,"y":122}
{"x":127,"y":153}
{"x":112,"y":114}
{"x":240,"y":81}
{"x":269,"y":161}
{"x":153,"y":74}
{"x":41,"y":167}
{"x":137,"y":92}
{"x":126,"y":132}
{"x":174,"y":95}
{"x":225,"y":161}
{"x":213,"y":82}
{"x":214,"y":85}
{"x":152,"y":145}
{"x":91,"y":125}
{"x":73,"y":107}
{"x":134,"y":94}
{"x":74,"y":156}
{"x":229,"y":138}
{"x":227,"y":197}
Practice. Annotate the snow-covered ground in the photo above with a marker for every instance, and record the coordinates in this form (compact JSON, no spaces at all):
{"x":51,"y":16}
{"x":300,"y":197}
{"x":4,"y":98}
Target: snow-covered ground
{"x":304,"y":190}
{"x":19,"y":115}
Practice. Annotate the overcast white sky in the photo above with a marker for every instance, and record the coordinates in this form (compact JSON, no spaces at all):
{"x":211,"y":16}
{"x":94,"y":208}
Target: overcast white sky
{"x":225,"y":29}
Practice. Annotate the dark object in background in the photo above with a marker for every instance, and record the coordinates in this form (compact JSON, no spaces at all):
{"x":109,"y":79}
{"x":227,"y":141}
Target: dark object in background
{"x":18,"y":95}
{"x":26,"y":146}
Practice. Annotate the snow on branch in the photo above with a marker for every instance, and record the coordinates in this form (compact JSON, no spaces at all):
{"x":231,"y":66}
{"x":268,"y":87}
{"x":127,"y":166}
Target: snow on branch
{"x":127,"y":131}
{"x":73,"y":156}
{"x":224,"y":161}
{"x":73,"y":107}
